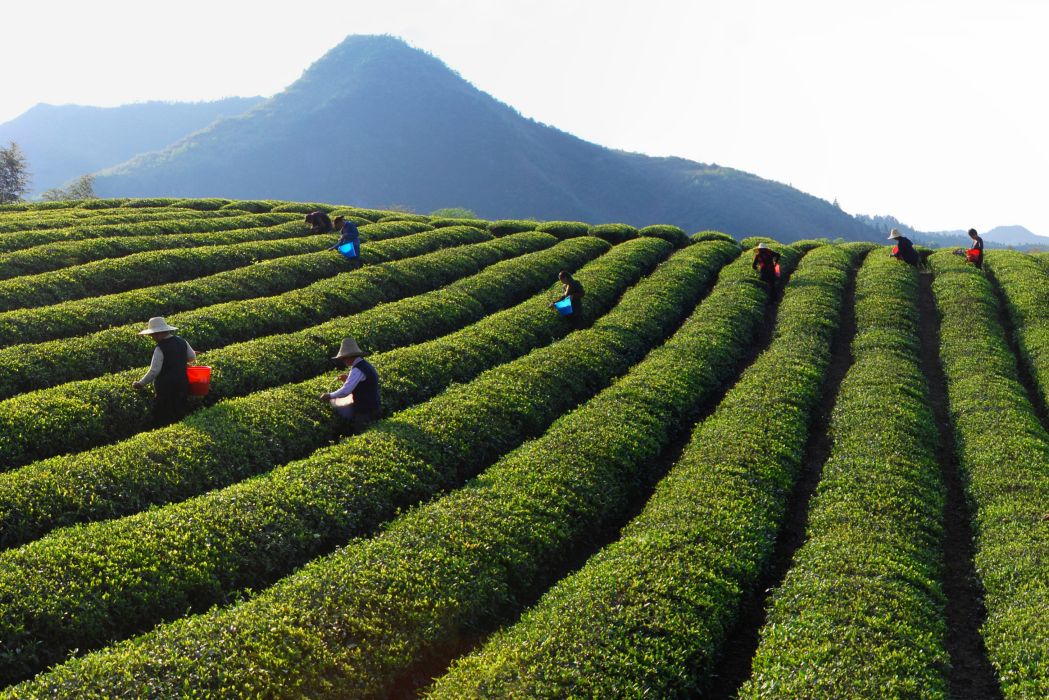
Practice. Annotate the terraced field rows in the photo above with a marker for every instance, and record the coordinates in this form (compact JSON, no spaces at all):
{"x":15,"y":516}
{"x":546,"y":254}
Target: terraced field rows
{"x":534,"y":473}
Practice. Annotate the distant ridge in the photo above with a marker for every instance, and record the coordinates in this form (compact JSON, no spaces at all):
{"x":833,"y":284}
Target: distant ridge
{"x":999,"y":236}
{"x":377,"y":123}
{"x":67,"y":141}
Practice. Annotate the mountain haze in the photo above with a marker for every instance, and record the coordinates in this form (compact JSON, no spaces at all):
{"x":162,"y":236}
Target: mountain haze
{"x":377,"y":123}
{"x":67,"y":141}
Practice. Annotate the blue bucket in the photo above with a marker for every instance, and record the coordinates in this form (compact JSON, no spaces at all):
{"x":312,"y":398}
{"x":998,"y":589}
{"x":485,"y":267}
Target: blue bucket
{"x":348,"y":250}
{"x":564,"y":307}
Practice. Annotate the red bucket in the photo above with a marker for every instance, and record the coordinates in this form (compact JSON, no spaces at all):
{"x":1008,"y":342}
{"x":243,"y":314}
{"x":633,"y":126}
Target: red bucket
{"x":972,"y":255}
{"x":776,"y":270}
{"x":895,"y":250}
{"x":199,"y":379}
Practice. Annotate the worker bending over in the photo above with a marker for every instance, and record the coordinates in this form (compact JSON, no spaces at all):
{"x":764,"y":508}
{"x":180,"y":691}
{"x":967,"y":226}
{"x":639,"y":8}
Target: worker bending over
{"x":904,"y":249}
{"x":319,"y":222}
{"x":358,"y":400}
{"x":765,"y":261}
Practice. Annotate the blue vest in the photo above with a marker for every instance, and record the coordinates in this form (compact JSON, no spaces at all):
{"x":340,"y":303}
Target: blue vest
{"x":366,"y":397}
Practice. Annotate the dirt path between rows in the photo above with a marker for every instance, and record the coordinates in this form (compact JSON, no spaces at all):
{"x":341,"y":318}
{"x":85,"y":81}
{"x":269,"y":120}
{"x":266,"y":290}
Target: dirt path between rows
{"x":971,"y":675}
{"x":742,"y":641}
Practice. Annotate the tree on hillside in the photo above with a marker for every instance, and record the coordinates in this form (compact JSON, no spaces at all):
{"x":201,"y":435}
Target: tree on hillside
{"x":14,"y":174}
{"x":81,"y":188}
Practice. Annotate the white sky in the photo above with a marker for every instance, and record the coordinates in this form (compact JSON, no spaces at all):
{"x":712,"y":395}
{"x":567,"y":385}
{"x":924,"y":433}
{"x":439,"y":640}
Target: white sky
{"x":932,"y":111}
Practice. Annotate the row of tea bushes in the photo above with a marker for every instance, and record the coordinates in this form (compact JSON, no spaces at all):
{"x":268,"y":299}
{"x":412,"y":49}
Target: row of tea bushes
{"x":179,"y":224}
{"x":356,"y":621}
{"x":647,"y":616}
{"x":1003,"y":452}
{"x":1025,"y":284}
{"x":81,"y":414}
{"x":30,"y":366}
{"x":260,"y":279}
{"x":221,"y":444}
{"x":32,"y":221}
{"x":860,"y":612}
{"x":257,"y":530}
{"x":155,"y":267}
{"x":31,"y":261}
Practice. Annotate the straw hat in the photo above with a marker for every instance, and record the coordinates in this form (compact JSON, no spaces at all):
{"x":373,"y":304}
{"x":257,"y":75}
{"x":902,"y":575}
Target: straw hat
{"x":762,"y":246}
{"x":157,"y":324}
{"x":349,"y":348}
{"x":894,"y":233}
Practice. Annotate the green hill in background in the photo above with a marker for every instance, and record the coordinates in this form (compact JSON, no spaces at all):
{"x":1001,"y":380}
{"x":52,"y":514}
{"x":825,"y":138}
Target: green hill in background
{"x":378,"y":123}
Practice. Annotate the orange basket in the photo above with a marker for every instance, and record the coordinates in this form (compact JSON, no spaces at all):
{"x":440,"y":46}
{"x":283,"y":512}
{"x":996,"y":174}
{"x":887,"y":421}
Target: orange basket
{"x":199,"y":379}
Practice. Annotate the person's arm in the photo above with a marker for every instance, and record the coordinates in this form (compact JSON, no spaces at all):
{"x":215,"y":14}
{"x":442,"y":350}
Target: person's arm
{"x":354,"y":378}
{"x":191,"y":354}
{"x":754,"y":263}
{"x":775,"y":256}
{"x":155,"y":366}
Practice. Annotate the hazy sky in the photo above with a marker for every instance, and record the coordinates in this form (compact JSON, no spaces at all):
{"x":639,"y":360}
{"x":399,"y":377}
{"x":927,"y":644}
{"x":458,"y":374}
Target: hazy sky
{"x":934,"y":112}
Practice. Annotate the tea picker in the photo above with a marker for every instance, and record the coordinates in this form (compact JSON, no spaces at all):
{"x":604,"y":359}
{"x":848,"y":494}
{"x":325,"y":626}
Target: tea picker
{"x":904,"y":249}
{"x":349,"y":244}
{"x":319,"y":222}
{"x":168,"y":371}
{"x":358,"y":401}
{"x":766,"y":262}
{"x":570,"y":303}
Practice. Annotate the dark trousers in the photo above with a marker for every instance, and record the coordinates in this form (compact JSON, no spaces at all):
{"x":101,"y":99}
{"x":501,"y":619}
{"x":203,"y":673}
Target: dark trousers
{"x":169,"y":406}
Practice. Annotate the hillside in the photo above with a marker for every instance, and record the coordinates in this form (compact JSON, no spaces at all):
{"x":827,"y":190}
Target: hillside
{"x":693,"y":485}
{"x":378,"y":123}
{"x":67,"y":141}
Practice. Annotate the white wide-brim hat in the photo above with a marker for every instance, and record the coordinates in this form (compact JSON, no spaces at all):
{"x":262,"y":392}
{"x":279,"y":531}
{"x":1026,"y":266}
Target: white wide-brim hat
{"x":894,"y":234}
{"x":157,"y":324}
{"x":762,"y":246}
{"x":349,"y":348}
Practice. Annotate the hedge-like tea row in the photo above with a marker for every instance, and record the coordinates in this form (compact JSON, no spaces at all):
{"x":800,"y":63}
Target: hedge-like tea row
{"x":351,"y":623}
{"x":860,"y":613}
{"x":1025,"y":284}
{"x":565,"y":229}
{"x":267,"y":278}
{"x":1003,"y":452}
{"x":671,"y":234}
{"x":179,"y":224}
{"x":10,"y":223}
{"x":161,"y":561}
{"x":505,"y":227}
{"x":82,"y":414}
{"x":614,"y":233}
{"x":184,"y":460}
{"x":629,"y":622}
{"x":112,"y":276}
{"x":476,"y":223}
{"x":45,"y":258}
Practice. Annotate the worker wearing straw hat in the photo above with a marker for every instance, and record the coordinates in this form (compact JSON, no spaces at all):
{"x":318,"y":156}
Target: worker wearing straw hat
{"x":167,"y":370}
{"x":358,"y":400}
{"x":904,"y":249}
{"x":765,"y":261}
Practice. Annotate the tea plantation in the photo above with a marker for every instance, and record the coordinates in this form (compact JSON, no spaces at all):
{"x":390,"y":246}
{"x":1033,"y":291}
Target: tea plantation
{"x":697,"y":486}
